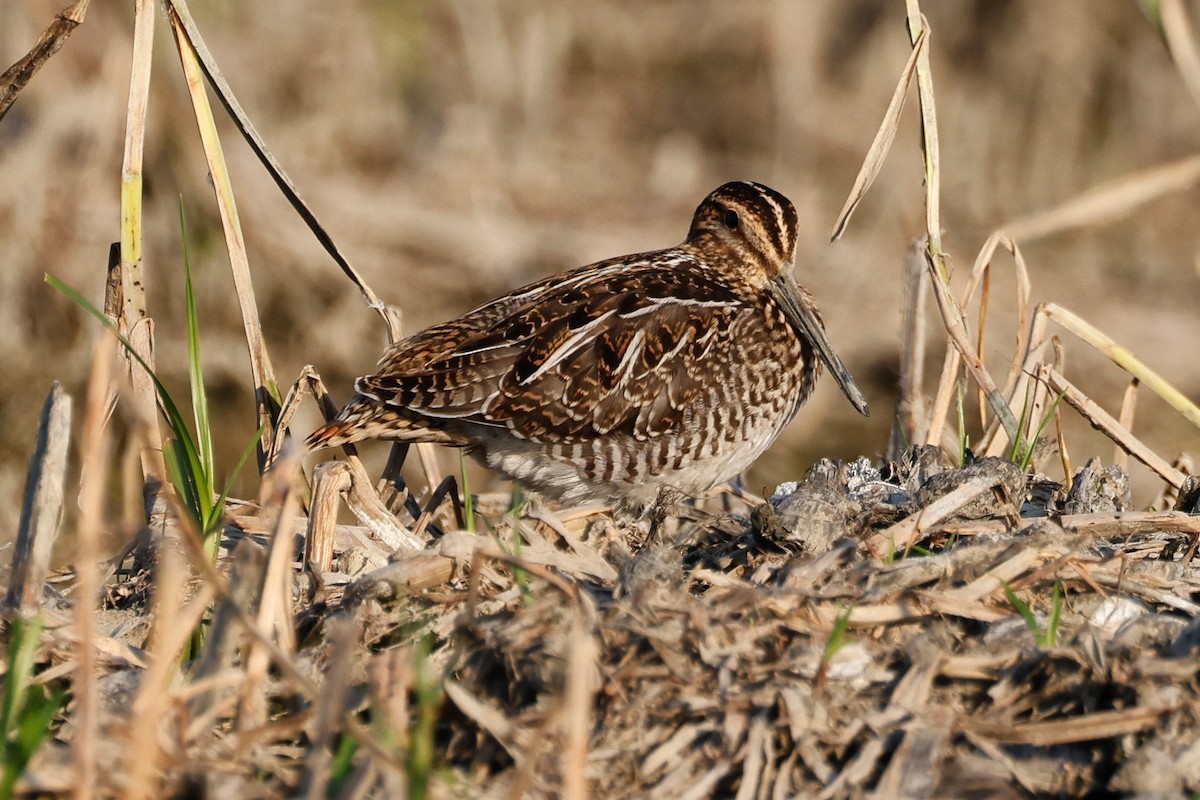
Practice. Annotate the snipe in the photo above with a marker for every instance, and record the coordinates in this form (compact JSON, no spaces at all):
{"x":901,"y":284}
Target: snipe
{"x":600,"y":385}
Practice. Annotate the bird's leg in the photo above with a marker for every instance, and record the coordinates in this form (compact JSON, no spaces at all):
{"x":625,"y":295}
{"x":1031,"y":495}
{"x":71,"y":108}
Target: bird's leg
{"x":449,"y":485}
{"x":734,"y":490}
{"x":665,"y":507}
{"x":736,"y":487}
{"x":391,"y":487}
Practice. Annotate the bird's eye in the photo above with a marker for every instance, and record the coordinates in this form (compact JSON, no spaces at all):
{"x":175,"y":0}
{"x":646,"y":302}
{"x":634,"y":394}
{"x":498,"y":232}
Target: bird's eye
{"x":731,"y":219}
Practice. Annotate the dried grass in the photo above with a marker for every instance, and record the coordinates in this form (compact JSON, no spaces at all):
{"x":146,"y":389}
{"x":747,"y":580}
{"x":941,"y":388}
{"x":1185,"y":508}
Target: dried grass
{"x":914,"y":628}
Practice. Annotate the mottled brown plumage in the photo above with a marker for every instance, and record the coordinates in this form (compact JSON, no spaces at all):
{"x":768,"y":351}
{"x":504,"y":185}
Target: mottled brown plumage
{"x":677,"y":367}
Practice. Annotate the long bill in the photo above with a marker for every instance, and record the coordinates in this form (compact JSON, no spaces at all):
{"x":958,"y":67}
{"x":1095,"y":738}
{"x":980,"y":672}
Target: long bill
{"x":803,"y":317}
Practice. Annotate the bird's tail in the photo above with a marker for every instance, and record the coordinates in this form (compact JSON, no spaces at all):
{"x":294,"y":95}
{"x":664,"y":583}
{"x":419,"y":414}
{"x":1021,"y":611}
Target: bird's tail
{"x":360,"y":419}
{"x":364,"y":418}
{"x":333,"y":434}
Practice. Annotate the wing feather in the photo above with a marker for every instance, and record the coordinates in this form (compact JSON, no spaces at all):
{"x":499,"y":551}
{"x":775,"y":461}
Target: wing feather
{"x":613,"y":347}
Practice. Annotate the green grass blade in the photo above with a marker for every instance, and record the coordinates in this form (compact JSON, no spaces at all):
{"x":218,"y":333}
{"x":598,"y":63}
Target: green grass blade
{"x":175,"y":460}
{"x":1037,"y":435}
{"x":170,"y":410}
{"x":964,"y":441}
{"x":219,"y":506}
{"x":1056,"y":606}
{"x":1021,"y":448}
{"x":195,"y":366}
{"x":28,"y":711}
{"x":419,"y":762}
{"x":191,"y":463}
{"x":837,"y":634}
{"x":22,"y":647}
{"x":34,"y":725}
{"x":1025,"y":611}
{"x":468,"y":500}
{"x":340,"y":769}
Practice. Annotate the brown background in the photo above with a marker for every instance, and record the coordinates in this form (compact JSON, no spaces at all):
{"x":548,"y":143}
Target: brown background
{"x":459,"y":149}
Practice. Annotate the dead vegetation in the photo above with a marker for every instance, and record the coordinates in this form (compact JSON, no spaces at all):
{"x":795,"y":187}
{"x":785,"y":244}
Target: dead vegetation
{"x":950,"y":621}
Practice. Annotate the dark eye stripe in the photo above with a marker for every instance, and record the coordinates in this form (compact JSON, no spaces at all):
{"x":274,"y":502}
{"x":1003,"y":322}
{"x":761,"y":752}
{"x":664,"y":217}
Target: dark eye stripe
{"x":757,"y":215}
{"x":765,"y":219}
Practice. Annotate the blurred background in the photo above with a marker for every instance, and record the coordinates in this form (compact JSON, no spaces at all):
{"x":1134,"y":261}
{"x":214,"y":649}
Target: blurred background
{"x":456,"y":150}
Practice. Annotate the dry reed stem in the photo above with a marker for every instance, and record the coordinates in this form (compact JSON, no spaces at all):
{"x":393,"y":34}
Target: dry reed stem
{"x":463,"y":546}
{"x":133,"y":321}
{"x":16,"y":77}
{"x":1061,"y":440}
{"x":274,"y":597}
{"x":990,"y":442}
{"x":350,"y":480}
{"x":186,"y":29}
{"x":954,"y":322}
{"x":42,"y":505}
{"x":287,"y":410}
{"x":945,"y":392}
{"x":918,"y":30}
{"x":952,"y":314}
{"x":1005,"y":572}
{"x":370,"y":510}
{"x":1083,"y":728}
{"x":912,"y":414}
{"x":390,"y":679}
{"x":1104,"y":422}
{"x":95,"y":449}
{"x":173,"y":624}
{"x":594,"y":562}
{"x":985,"y":293}
{"x":266,"y":392}
{"x":898,"y":538}
{"x":754,"y":767}
{"x":1123,"y":524}
{"x":578,"y":697}
{"x":882,"y":144}
{"x":1150,"y":588}
{"x":1095,"y":205}
{"x":916,"y":767}
{"x":1181,"y":41}
{"x":245,"y":566}
{"x":133,"y":286}
{"x":428,"y":455}
{"x":330,"y":483}
{"x":283,"y":661}
{"x":1108,"y":201}
{"x":1141,"y":186}
{"x":1000,"y":756}
{"x":914,"y":689}
{"x":1036,"y":417}
{"x":286,"y":665}
{"x":1123,"y":359}
{"x":330,"y":703}
{"x":308,"y":382}
{"x":1125,"y":418}
{"x":487,"y":718}
{"x":407,"y":575}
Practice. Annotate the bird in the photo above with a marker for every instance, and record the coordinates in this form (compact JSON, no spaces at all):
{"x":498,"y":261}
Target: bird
{"x":602,"y":385}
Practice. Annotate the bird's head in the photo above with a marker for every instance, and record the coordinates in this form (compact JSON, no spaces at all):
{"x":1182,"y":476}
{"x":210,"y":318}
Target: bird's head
{"x":754,"y":228}
{"x":755,"y":223}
